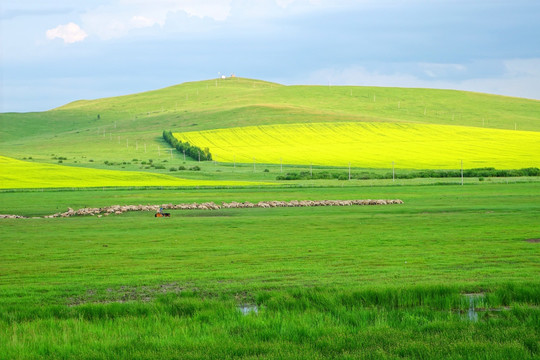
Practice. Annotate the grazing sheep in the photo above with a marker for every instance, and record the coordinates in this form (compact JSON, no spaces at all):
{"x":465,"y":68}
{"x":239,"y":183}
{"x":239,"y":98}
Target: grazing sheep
{"x":118,"y":209}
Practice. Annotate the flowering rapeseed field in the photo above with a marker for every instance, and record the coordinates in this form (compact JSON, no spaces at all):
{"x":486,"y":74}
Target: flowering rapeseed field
{"x":372,"y":145}
{"x":18,"y":174}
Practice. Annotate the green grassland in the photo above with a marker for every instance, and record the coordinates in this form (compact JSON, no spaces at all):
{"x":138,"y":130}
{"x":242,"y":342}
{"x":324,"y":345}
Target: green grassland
{"x":369,"y":282}
{"x":331,"y":282}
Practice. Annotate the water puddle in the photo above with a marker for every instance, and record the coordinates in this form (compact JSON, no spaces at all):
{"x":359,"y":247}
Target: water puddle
{"x":248,"y":309}
{"x":474,"y":300}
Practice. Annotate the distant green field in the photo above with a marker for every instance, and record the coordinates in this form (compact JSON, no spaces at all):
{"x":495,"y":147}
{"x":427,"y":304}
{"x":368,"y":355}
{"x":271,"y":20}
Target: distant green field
{"x":332,"y":282}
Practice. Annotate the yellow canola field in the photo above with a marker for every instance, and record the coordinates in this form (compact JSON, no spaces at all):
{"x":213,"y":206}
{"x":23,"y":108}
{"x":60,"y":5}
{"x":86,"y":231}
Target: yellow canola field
{"x":372,"y":145}
{"x":17,"y":174}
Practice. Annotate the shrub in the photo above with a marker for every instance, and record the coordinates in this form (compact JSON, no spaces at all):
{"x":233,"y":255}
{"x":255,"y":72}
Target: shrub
{"x":195,"y":168}
{"x":172,"y":169}
{"x":181,"y":168}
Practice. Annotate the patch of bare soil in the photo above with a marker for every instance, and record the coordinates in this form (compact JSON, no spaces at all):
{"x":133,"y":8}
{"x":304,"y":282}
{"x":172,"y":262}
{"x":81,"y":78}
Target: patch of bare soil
{"x":125,"y":294}
{"x":534,"y":241}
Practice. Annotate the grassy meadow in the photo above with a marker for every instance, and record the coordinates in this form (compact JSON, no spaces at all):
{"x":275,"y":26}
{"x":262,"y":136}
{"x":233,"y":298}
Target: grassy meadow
{"x":452,"y":273}
{"x":331,"y":282}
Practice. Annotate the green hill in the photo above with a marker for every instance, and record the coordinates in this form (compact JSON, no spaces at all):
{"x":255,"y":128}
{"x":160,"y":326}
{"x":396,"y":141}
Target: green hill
{"x":119,"y":129}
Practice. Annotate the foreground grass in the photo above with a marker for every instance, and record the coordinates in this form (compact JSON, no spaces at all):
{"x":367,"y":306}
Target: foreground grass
{"x":355,"y":282}
{"x":303,"y":324}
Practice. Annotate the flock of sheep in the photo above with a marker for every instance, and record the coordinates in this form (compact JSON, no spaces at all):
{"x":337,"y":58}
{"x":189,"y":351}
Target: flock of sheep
{"x":119,"y":209}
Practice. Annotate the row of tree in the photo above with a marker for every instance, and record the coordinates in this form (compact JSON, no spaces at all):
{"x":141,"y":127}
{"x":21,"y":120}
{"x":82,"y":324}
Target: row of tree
{"x":194,"y":152}
{"x":344,"y":175}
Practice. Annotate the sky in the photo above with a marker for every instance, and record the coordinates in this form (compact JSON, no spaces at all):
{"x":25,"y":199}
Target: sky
{"x":58,"y":51}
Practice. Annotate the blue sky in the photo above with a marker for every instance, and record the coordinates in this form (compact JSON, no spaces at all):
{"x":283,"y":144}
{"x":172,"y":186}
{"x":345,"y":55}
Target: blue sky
{"x":59,"y":51}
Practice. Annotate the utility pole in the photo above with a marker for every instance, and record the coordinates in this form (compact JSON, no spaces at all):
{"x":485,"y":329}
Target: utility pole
{"x":461,"y":172}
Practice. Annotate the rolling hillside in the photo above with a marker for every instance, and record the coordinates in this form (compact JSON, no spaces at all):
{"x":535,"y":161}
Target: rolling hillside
{"x":119,"y":129}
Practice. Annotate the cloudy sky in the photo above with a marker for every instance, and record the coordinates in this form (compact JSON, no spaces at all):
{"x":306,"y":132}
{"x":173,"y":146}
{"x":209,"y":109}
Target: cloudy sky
{"x":54,"y":52}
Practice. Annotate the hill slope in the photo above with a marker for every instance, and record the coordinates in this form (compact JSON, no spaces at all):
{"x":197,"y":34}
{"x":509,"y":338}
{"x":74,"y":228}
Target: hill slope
{"x":127,"y":127}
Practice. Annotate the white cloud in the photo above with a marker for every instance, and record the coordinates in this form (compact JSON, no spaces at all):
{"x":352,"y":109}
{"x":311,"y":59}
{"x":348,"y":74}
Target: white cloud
{"x":284,"y":3}
{"x":521,"y":78}
{"x":216,"y":9}
{"x":116,"y":20}
{"x":434,"y":70}
{"x":70,"y":33}
{"x":308,"y":5}
{"x":523,"y":67}
{"x":360,"y":76}
{"x":142,"y":21}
